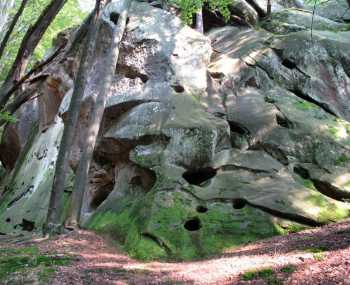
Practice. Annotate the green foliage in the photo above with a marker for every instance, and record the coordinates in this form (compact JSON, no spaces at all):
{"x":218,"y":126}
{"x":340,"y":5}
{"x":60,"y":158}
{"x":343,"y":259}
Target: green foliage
{"x":267,"y":274}
{"x":317,"y":252}
{"x":7,"y":117}
{"x":190,"y":7}
{"x":288,"y":269}
{"x":21,"y":260}
{"x":69,"y":16}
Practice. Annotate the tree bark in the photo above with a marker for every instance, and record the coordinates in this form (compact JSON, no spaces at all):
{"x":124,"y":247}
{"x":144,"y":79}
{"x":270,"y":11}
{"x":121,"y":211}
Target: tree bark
{"x":268,"y":8}
{"x":28,"y":45}
{"x":106,"y":77}
{"x":12,"y":26}
{"x":5,"y":10}
{"x":53,"y":224}
{"x":199,"y":21}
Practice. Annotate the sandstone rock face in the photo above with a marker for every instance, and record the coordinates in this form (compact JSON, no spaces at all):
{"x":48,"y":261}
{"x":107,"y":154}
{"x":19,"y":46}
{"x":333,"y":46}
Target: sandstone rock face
{"x":206,"y":142}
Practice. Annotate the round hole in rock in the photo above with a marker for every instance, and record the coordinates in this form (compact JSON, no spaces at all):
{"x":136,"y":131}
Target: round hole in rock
{"x":193,"y":225}
{"x":8,"y":220}
{"x":178,"y":88}
{"x":198,"y":176}
{"x":202,"y":209}
{"x":239,"y":203}
{"x":114,"y":17}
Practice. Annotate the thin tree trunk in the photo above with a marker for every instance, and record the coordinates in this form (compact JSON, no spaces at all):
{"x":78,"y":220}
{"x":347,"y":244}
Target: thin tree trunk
{"x":28,"y":45}
{"x":53,"y":224}
{"x":268,"y":8}
{"x":5,"y":10}
{"x":106,"y":77}
{"x":199,"y":21}
{"x":12,"y":26}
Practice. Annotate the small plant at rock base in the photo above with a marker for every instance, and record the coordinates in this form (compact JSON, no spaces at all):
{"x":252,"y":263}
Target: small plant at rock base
{"x":267,"y":274}
{"x":288,"y":269}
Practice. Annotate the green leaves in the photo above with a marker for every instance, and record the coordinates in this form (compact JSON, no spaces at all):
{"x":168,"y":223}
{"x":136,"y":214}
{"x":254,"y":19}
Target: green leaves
{"x":190,"y":7}
{"x":69,"y":16}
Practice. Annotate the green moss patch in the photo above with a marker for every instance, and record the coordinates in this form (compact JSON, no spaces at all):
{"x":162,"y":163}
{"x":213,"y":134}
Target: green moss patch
{"x":28,"y":260}
{"x":267,"y":274}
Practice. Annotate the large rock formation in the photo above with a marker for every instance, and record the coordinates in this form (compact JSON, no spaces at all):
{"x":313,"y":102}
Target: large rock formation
{"x":206,"y":142}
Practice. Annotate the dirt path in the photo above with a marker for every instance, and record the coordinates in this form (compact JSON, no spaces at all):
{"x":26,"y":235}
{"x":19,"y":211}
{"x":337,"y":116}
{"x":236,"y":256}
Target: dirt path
{"x":319,"y":256}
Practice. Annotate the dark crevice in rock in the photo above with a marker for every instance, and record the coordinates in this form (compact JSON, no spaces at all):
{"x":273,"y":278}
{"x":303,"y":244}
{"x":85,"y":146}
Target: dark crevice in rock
{"x":19,"y":197}
{"x":288,"y":63}
{"x":239,"y":203}
{"x":2,"y":234}
{"x":305,"y":97}
{"x":283,"y":121}
{"x":8,"y":220}
{"x":200,"y":175}
{"x":193,"y":224}
{"x":331,"y":191}
{"x":273,"y":151}
{"x":114,"y":17}
{"x":302,"y":172}
{"x":288,"y":216}
{"x":238,"y":128}
{"x":201,"y":209}
{"x":157,"y":240}
{"x":230,"y":167}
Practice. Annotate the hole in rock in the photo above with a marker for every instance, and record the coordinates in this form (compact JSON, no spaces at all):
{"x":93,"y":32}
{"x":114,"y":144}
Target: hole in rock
{"x":193,"y":225}
{"x":202,"y":209}
{"x":301,"y":171}
{"x":198,"y":176}
{"x":178,"y":88}
{"x":237,"y":128}
{"x":2,"y":234}
{"x":282,"y":121}
{"x":114,"y":17}
{"x":8,"y":220}
{"x":100,"y":195}
{"x":239,"y":203}
{"x":27,"y":225}
{"x":289,"y":64}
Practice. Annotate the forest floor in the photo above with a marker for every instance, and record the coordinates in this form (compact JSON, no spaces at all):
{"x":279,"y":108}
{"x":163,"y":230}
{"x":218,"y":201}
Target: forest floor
{"x":317,"y":256}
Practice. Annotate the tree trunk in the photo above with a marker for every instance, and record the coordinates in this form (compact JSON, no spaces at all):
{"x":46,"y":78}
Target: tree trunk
{"x":12,"y":26}
{"x":199,"y":21}
{"x":106,"y":75}
{"x":53,"y":224}
{"x":28,"y":45}
{"x":268,"y":8}
{"x":5,"y":10}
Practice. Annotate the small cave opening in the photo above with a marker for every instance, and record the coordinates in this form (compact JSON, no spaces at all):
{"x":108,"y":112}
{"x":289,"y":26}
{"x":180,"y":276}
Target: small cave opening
{"x":26,"y":225}
{"x":288,"y":63}
{"x":201,"y":209}
{"x":100,"y":195}
{"x":239,"y":203}
{"x":237,"y":128}
{"x":114,"y":17}
{"x":200,"y":175}
{"x":144,"y":178}
{"x":193,"y":224}
{"x":178,"y":88}
{"x":8,"y":220}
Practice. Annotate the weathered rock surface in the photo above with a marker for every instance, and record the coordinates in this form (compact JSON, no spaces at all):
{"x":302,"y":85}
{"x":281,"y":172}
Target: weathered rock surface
{"x":201,"y":149}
